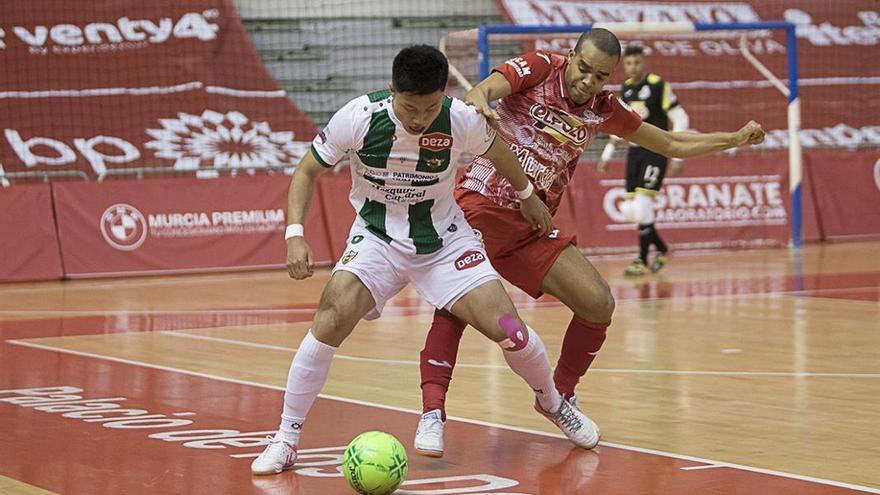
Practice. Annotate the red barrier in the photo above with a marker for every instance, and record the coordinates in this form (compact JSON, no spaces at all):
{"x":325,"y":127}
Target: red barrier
{"x":28,"y":243}
{"x":725,"y":200}
{"x":847,"y":191}
{"x":169,"y":225}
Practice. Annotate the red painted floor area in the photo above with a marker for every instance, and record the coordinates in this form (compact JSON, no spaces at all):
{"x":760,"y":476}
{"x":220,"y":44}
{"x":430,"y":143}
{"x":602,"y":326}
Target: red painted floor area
{"x":81,"y":425}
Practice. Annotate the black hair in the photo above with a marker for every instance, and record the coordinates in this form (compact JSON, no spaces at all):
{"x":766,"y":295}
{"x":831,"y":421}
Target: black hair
{"x":420,"y":70}
{"x":602,"y":39}
{"x":634,"y":50}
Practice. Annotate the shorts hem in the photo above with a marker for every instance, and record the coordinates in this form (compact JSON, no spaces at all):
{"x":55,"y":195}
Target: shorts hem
{"x":374,"y":313}
{"x":459,"y":292}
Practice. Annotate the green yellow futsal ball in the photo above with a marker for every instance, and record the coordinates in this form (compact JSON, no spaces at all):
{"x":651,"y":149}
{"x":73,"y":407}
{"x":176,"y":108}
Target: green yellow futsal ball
{"x":375,"y":463}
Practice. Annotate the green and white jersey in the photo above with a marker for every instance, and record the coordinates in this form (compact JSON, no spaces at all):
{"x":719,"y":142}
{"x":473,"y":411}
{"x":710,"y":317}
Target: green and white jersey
{"x":402,"y":184}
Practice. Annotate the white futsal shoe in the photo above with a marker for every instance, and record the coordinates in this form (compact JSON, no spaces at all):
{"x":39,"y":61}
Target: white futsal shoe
{"x":573,"y":423}
{"x":278,"y":456}
{"x":429,"y":434}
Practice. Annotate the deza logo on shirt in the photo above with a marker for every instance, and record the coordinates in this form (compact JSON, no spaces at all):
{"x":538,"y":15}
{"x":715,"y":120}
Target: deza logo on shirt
{"x":435,"y":141}
{"x":562,"y":126}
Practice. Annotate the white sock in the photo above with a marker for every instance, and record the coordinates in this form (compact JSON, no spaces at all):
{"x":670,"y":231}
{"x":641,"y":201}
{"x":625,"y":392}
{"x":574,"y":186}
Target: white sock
{"x":532,"y":365}
{"x":306,"y":378}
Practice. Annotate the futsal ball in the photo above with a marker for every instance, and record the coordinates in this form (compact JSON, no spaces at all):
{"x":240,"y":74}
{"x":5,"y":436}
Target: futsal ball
{"x":375,"y":463}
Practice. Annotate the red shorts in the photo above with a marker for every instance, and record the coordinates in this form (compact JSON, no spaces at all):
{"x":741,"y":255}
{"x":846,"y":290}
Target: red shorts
{"x":519,"y":255}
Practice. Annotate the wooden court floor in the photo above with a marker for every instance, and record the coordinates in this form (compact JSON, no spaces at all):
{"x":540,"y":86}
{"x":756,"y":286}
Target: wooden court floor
{"x":750,"y":371}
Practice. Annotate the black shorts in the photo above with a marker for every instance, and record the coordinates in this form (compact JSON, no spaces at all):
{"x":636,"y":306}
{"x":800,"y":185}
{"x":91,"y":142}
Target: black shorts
{"x":644,"y":169}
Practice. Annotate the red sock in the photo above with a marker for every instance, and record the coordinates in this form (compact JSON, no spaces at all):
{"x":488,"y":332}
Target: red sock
{"x":582,"y":341}
{"x":441,"y":349}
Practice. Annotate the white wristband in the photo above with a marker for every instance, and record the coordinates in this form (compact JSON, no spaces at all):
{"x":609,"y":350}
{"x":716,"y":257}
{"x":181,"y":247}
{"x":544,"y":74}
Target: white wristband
{"x":608,"y":152}
{"x":293,"y":230}
{"x":525,"y":193}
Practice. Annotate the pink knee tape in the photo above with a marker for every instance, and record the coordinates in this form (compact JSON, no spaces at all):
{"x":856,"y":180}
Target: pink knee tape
{"x":517,"y":336}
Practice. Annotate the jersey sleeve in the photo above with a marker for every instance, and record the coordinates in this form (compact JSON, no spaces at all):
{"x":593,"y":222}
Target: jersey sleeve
{"x":526,"y":71}
{"x":623,"y":120}
{"x":668,"y":100}
{"x":473,"y":129}
{"x":338,"y":137}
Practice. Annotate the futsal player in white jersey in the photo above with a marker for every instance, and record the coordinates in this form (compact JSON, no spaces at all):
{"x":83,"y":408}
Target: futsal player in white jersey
{"x":403,"y":145}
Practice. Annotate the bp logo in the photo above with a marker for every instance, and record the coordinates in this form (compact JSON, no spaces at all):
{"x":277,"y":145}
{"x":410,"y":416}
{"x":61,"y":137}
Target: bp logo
{"x":123,"y":227}
{"x":219,"y":140}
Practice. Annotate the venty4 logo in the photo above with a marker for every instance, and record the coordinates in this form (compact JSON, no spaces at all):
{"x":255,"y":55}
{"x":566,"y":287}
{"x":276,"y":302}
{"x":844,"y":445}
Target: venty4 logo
{"x":72,"y":38}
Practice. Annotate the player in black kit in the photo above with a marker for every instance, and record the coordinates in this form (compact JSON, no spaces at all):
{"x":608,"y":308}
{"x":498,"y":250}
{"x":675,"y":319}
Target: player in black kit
{"x":652,"y":98}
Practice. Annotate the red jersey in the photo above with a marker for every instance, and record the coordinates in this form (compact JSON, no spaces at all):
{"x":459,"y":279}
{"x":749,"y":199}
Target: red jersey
{"x":545,"y":129}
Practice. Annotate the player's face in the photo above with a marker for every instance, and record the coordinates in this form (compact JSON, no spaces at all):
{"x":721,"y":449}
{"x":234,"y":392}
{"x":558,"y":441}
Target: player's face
{"x":416,"y":112}
{"x":588,"y":70}
{"x":634,"y":65}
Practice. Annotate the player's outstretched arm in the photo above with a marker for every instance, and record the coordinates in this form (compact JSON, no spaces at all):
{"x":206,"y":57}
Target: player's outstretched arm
{"x":608,"y":153}
{"x":300,"y":262}
{"x":531,"y":206}
{"x":490,"y":89}
{"x":690,"y":144}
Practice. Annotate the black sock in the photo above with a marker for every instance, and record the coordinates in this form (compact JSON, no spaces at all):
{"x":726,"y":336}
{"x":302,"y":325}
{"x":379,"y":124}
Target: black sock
{"x":645,"y":238}
{"x":657,"y":241}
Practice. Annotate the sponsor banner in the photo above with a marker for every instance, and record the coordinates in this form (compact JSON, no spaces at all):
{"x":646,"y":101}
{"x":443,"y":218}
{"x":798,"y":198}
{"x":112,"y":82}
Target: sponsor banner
{"x":133,"y":84}
{"x":28,"y":242}
{"x":846,"y":187}
{"x":720,"y":201}
{"x":131,"y":227}
{"x":718,"y":87}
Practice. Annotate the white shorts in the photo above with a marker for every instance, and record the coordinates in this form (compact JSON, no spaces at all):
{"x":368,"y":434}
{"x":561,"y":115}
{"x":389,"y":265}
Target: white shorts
{"x":441,"y":277}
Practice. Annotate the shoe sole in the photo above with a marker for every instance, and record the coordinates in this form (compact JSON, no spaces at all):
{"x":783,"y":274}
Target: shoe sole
{"x":270,"y":473}
{"x":429,"y":453}
{"x":598,"y":432}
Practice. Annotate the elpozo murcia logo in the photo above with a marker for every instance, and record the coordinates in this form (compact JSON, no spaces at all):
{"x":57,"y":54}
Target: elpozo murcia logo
{"x":125,"y":228}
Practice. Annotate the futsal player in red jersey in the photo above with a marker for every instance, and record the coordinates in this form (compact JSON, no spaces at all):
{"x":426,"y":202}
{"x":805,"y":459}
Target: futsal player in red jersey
{"x":551,"y":109}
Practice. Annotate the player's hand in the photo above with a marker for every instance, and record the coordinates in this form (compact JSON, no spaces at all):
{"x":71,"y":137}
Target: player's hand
{"x":537,"y":214}
{"x":675,"y":166}
{"x":750,"y":134}
{"x":602,"y":166}
{"x":477,"y":99}
{"x":300,"y":262}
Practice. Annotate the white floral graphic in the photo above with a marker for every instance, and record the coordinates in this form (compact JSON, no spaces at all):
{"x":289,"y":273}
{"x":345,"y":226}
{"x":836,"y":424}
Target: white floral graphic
{"x":229,"y":140}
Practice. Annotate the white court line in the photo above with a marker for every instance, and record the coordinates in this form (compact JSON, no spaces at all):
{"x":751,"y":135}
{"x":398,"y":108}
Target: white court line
{"x":244,"y":343}
{"x":695,"y":468}
{"x":487,"y":424}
